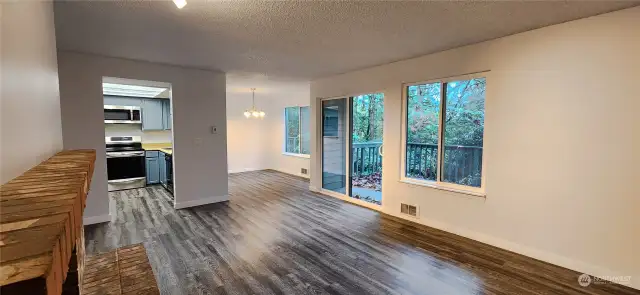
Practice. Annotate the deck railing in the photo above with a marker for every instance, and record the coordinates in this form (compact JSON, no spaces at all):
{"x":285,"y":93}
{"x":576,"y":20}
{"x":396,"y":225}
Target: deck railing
{"x":463,"y":164}
{"x":365,"y":158}
{"x":421,"y":160}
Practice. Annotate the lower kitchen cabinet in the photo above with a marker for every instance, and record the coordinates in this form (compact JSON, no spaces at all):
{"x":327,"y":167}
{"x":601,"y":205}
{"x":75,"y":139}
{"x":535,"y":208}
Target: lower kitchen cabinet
{"x":162,"y":168}
{"x":153,"y":170}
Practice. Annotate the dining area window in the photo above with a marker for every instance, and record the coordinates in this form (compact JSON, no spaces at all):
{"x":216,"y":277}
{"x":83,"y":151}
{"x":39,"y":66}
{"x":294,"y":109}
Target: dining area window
{"x":297,"y":130}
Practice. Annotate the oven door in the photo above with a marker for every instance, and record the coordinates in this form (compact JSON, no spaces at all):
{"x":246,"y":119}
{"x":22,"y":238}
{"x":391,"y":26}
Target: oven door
{"x":126,"y":170}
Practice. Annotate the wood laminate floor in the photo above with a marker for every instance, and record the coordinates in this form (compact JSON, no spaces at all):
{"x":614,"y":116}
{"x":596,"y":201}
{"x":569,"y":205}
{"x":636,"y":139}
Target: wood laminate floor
{"x":276,"y":237}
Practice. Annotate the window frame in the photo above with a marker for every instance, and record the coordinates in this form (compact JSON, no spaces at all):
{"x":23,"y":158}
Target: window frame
{"x":284,"y":144}
{"x":438,"y":183}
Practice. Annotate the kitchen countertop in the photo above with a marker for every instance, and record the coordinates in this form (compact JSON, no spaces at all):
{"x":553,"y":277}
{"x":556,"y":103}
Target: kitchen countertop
{"x":164,"y":147}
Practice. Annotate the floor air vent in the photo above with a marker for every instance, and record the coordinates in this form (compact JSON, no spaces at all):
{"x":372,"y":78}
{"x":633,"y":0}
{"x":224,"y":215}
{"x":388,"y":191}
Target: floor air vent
{"x":409,"y":210}
{"x":303,"y":171}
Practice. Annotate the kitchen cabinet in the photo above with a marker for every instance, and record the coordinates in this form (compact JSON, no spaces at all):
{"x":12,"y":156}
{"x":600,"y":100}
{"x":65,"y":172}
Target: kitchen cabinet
{"x":122,"y":101}
{"x":152,"y":118}
{"x":162,"y":168}
{"x":151,"y":154}
{"x":153,"y":170}
{"x":166,"y":114}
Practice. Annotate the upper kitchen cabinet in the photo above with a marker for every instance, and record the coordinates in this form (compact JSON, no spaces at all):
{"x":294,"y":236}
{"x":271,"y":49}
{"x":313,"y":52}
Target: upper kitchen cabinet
{"x":166,"y":114}
{"x":122,"y":101}
{"x":152,"y":114}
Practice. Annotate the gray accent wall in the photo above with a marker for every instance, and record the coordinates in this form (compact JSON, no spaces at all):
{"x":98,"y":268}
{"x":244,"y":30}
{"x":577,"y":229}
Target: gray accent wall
{"x":199,"y":102}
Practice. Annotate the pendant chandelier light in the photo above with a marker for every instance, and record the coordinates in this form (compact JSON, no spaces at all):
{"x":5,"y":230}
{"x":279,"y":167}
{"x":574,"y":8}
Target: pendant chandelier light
{"x":253,"y":112}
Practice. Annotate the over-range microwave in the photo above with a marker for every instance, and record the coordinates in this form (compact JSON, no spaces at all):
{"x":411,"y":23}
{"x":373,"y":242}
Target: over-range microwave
{"x":122,"y":114}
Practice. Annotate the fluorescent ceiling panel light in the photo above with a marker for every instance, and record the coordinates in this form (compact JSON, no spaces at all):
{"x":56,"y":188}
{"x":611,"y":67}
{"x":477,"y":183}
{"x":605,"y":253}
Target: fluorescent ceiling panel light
{"x":180,"y":3}
{"x":131,"y":90}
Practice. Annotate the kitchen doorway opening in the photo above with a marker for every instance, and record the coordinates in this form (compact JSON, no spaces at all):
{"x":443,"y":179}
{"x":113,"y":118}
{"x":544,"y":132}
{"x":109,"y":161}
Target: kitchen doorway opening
{"x":138,"y":126}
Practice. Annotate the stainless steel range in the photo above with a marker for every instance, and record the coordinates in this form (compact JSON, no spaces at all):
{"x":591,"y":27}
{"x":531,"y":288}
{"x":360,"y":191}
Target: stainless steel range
{"x":125,"y":163}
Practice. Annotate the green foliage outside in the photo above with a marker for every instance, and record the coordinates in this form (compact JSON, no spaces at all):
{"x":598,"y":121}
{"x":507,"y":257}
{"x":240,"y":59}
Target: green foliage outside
{"x":297,"y":130}
{"x":464,"y":120}
{"x":368,"y":118}
{"x":292,"y":126}
{"x":463,"y":130}
{"x":423,"y":109}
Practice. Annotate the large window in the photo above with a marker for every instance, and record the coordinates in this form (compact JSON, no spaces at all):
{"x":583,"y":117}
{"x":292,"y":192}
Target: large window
{"x":297,"y":130}
{"x":444,"y":132}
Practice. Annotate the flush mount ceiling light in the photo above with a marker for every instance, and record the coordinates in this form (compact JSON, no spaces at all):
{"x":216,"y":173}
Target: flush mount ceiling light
{"x":253,"y":112}
{"x":131,"y":90}
{"x":180,"y":3}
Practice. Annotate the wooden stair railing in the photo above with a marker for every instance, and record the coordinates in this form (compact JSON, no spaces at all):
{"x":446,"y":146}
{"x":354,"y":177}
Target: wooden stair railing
{"x":41,"y":231}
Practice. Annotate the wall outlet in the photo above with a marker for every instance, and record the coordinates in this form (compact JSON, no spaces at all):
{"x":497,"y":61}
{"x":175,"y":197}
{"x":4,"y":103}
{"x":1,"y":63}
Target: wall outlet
{"x":304,"y":171}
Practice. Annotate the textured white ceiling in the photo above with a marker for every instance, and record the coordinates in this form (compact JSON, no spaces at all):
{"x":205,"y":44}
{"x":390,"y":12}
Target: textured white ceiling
{"x":243,"y":82}
{"x":300,"y":39}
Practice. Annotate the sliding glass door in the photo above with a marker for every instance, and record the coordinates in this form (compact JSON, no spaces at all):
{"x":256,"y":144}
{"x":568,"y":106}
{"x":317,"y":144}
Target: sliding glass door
{"x":352,"y":146}
{"x":334,"y":145}
{"x":366,"y":127}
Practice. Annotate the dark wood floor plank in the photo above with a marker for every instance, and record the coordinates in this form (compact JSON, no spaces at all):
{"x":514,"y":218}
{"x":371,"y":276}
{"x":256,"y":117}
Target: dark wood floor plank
{"x":274,"y":236}
{"x":123,"y":271}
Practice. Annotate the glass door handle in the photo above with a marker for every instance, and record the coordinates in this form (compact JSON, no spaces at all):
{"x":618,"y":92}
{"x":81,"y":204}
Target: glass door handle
{"x":380,"y":150}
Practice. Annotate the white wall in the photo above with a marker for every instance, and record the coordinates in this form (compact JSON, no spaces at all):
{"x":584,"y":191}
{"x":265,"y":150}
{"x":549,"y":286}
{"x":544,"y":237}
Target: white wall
{"x":276,"y":132}
{"x":562,"y":134}
{"x":157,"y":136}
{"x":30,"y":100}
{"x":259,"y":144}
{"x":198,"y":102}
{"x":245,"y":137}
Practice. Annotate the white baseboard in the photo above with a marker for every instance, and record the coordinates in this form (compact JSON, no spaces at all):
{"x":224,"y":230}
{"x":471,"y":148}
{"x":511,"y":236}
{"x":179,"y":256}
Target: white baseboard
{"x":244,"y":170}
{"x":314,"y":189}
{"x":96,"y":219}
{"x":307,"y":176}
{"x":199,"y":202}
